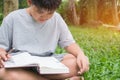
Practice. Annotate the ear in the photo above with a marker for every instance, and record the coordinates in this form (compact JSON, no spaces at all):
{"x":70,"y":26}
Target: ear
{"x":29,"y":2}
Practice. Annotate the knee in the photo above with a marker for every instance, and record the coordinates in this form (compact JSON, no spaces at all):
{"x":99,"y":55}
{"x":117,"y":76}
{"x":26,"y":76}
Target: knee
{"x":7,"y":75}
{"x":73,"y":67}
{"x":14,"y":74}
{"x":2,"y":73}
{"x":11,"y":75}
{"x":71,"y":62}
{"x":20,"y":74}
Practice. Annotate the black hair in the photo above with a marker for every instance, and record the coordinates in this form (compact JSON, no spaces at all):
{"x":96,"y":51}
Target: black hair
{"x":47,"y":4}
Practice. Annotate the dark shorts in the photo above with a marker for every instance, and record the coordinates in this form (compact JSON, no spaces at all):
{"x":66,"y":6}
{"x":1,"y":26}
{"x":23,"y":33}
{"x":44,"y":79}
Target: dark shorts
{"x":59,"y":56}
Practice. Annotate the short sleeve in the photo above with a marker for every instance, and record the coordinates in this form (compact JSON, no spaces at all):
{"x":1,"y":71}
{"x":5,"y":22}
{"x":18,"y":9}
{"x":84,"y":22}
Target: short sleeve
{"x":6,"y":33}
{"x":65,"y":38}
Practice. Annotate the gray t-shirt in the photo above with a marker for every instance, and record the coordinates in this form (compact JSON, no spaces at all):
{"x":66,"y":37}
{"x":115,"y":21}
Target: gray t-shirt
{"x":20,"y":31}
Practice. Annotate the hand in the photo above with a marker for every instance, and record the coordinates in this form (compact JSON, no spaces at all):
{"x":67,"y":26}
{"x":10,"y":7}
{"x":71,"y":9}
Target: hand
{"x":4,"y":56}
{"x":83,"y":63}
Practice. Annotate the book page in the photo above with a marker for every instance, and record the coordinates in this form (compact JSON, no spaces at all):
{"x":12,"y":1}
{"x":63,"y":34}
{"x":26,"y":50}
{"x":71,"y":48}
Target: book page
{"x":25,"y":58}
{"x":50,"y":62}
{"x":21,"y":59}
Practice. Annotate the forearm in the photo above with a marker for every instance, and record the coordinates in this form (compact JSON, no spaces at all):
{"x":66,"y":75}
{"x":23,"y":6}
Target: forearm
{"x":74,"y":49}
{"x":82,"y":60}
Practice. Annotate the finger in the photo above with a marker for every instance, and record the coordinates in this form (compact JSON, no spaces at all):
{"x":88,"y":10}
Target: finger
{"x":8,"y":56}
{"x":84,"y":68}
{"x":81,"y":69}
{"x":80,"y":65}
{"x":87,"y":60}
{"x":79,"y":73}
{"x":4,"y":57}
{"x":86,"y":64}
{"x":1,"y":63}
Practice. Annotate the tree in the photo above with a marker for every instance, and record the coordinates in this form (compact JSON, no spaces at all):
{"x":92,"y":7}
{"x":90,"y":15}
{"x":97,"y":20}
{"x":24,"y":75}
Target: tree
{"x":97,"y":11}
{"x":83,"y":12}
{"x":22,"y":4}
{"x":72,"y":10}
{"x":10,"y":5}
{"x":115,"y":12}
{"x":1,"y":6}
{"x":107,"y":11}
{"x":88,"y":11}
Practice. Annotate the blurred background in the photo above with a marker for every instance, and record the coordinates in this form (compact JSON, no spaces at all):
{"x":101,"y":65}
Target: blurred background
{"x":95,"y":25}
{"x":76,"y":12}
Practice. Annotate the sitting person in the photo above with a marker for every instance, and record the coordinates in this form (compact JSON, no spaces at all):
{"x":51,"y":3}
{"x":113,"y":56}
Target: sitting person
{"x":39,"y":29}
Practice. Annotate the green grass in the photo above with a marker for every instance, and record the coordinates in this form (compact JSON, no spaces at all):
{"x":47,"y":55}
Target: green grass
{"x":102,"y":46}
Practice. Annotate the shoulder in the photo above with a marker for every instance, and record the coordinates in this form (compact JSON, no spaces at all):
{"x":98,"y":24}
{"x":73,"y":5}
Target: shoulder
{"x":11,"y":17}
{"x":14,"y":14}
{"x":56,"y":15}
{"x":58,"y":18}
{"x":60,"y":21}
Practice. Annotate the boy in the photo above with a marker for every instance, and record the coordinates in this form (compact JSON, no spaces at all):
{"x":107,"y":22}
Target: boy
{"x":38,"y":29}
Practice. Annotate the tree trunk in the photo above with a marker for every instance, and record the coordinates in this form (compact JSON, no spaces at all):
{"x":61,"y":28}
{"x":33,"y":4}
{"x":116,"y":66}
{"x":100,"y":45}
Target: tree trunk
{"x":115,"y":12}
{"x":101,"y":10}
{"x":83,"y":13}
{"x":10,"y":5}
{"x":88,"y":11}
{"x":92,"y":10}
{"x":73,"y":12}
{"x":107,"y":12}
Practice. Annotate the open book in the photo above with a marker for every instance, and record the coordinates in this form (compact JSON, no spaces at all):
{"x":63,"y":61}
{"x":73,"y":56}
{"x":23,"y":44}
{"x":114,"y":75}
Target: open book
{"x":44,"y":65}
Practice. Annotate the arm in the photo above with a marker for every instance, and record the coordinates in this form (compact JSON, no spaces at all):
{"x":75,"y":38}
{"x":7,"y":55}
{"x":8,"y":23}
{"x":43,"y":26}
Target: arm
{"x":82,"y":60}
{"x":66,"y":41}
{"x":5,"y":39}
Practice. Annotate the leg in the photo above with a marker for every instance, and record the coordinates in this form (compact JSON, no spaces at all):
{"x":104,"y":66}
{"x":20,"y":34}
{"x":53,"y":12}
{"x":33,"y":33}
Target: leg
{"x":70,"y":61}
{"x":2,"y":72}
{"x":77,"y":78}
{"x":20,"y":74}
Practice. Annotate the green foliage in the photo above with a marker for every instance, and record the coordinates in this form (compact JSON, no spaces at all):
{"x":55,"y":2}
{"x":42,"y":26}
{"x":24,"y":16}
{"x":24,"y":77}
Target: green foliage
{"x":102,"y":46}
{"x":1,"y":6}
{"x":22,"y":4}
{"x":63,"y":10}
{"x":1,"y":17}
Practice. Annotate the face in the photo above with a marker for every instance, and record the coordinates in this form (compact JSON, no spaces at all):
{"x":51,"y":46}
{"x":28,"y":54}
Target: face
{"x":40,"y":15}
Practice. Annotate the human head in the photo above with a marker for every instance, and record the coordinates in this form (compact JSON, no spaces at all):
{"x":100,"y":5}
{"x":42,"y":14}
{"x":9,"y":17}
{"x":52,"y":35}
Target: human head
{"x":42,"y":10}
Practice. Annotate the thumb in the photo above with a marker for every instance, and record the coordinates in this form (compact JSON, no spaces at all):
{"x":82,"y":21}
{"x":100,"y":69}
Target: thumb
{"x":8,"y":55}
{"x":80,"y":67}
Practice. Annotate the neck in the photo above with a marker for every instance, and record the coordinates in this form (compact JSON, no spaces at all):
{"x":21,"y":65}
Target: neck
{"x":28,"y":11}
